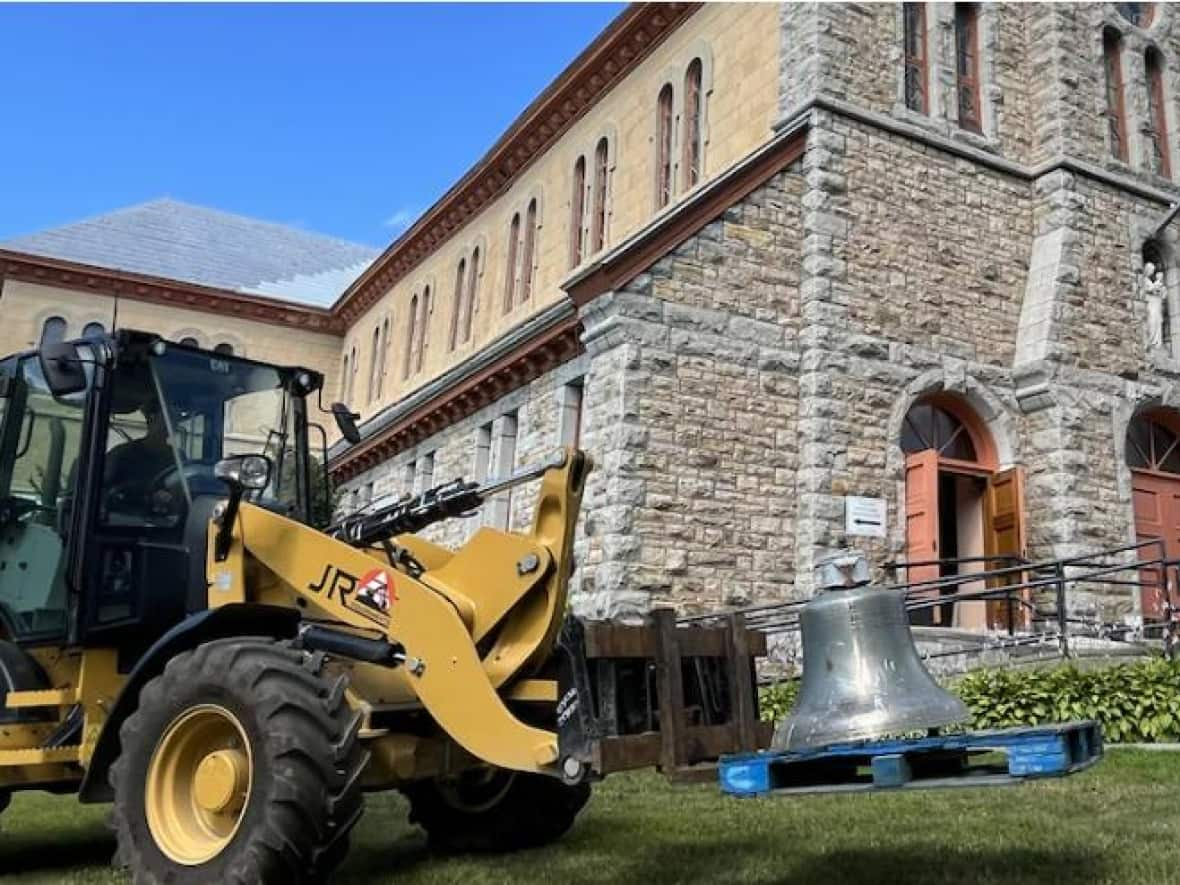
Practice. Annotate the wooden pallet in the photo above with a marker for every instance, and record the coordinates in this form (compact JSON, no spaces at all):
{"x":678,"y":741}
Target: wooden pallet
{"x":960,"y":760}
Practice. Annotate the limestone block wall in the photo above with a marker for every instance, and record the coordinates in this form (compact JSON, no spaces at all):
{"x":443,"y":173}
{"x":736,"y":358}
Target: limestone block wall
{"x":693,"y":411}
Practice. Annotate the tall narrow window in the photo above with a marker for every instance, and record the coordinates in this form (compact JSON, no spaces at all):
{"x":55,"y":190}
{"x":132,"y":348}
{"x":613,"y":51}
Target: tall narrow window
{"x":351,"y":374}
{"x":423,"y":329}
{"x":460,"y":298}
{"x":578,"y":213}
{"x":694,"y":111}
{"x":967,"y":66}
{"x":472,"y":294}
{"x":526,"y":251}
{"x":344,"y":369}
{"x":411,"y":339}
{"x":190,"y":341}
{"x":227,"y":349}
{"x":1116,"y":110}
{"x":93,"y":330}
{"x":384,"y":350}
{"x":916,"y":98}
{"x":664,"y":147}
{"x":53,"y":330}
{"x":1157,"y":134}
{"x":374,"y":350}
{"x":510,"y":275}
{"x":572,"y":397}
{"x":601,"y":184}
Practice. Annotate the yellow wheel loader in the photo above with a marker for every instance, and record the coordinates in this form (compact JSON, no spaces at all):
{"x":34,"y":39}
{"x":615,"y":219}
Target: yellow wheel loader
{"x":185,"y":634}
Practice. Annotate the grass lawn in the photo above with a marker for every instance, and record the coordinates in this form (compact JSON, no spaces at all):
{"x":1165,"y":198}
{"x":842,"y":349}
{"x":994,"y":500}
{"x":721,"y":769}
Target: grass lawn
{"x":1116,"y":823}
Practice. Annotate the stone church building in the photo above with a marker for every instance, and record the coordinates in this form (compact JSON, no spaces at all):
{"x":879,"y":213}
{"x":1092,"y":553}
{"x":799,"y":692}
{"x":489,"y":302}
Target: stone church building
{"x":765,"y":261}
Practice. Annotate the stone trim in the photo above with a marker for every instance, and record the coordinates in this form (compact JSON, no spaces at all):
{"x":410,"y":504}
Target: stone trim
{"x":172,"y":293}
{"x":976,"y":154}
{"x":618,"y":50}
{"x":511,"y":361}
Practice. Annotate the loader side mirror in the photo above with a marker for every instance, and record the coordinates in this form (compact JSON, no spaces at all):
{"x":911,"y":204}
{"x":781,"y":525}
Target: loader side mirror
{"x":62,"y":368}
{"x":244,"y":472}
{"x":346,"y":421}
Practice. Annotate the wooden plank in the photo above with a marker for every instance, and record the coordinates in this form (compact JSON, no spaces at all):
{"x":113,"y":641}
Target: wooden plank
{"x":669,"y":690}
{"x":741,"y":684}
{"x":605,"y":640}
{"x":627,"y":752}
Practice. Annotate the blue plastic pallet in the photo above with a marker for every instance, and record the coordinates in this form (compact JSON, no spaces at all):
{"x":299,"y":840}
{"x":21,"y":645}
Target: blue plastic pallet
{"x":957,"y":760}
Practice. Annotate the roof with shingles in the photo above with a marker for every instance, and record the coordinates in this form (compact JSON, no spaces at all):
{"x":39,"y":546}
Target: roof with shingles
{"x":179,"y":241}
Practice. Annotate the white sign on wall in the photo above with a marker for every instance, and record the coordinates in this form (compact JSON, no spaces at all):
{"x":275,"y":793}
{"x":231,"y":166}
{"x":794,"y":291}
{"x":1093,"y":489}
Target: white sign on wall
{"x":864,"y":516}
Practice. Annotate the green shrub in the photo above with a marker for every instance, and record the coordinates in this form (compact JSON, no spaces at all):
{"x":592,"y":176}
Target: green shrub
{"x":1135,"y":702}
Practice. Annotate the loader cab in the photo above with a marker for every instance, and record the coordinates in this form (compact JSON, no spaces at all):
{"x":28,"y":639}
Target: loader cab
{"x":107,"y":485}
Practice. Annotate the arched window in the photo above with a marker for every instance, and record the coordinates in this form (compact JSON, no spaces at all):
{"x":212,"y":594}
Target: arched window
{"x":1157,"y":117}
{"x":384,"y":350}
{"x":510,"y":284}
{"x":1138,"y":14}
{"x":694,"y":111}
{"x":914,"y":40}
{"x":472,"y":294}
{"x":601,"y":185}
{"x":967,"y":66}
{"x":352,"y":374}
{"x":1116,"y":110}
{"x":93,"y":330}
{"x":224,"y":348}
{"x":460,"y":298}
{"x":527,"y":250}
{"x":1151,"y":445}
{"x":664,"y":147}
{"x":374,"y":351}
{"x":929,"y":426}
{"x":411,"y":339}
{"x":190,"y":341}
{"x":577,"y":215}
{"x":343,"y":376}
{"x":53,"y":330}
{"x":423,"y":329}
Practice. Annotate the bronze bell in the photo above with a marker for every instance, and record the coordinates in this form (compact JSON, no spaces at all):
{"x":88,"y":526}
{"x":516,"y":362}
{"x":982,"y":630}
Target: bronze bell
{"x":862,"y":677}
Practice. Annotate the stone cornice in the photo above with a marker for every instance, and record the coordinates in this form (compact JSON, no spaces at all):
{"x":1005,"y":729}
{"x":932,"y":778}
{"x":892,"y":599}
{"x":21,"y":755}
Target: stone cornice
{"x":173,"y":293}
{"x":521,"y":355}
{"x":628,"y":40}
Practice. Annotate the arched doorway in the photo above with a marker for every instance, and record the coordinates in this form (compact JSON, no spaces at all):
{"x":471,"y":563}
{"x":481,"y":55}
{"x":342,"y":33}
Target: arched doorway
{"x":1153,"y":454}
{"x":961,"y":512}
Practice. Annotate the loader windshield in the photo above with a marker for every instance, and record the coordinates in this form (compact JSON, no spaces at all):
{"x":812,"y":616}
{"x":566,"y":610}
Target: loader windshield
{"x":176,"y":414}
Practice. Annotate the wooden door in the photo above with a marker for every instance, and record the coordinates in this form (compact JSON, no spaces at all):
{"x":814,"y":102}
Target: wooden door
{"x":1157,"y":517}
{"x":921,"y":515}
{"x":1004,"y":536}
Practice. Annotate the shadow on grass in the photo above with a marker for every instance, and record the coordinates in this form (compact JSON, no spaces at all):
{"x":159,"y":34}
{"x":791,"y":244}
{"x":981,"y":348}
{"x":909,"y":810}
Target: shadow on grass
{"x":53,"y":852}
{"x":607,"y":851}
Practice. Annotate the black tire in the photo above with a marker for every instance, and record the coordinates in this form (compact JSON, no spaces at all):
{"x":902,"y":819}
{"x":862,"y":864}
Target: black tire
{"x":307,"y":762}
{"x":515,"y":811}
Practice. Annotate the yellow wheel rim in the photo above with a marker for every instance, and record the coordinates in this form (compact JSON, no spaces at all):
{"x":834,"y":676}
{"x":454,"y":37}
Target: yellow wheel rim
{"x":198,"y":784}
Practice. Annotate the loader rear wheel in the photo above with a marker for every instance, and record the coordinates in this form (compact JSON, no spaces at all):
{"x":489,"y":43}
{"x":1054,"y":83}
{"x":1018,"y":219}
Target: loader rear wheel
{"x":494,"y":810}
{"x":241,"y":764}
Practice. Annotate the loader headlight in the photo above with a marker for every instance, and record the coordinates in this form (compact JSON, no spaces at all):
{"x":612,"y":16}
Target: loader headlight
{"x":244,"y":471}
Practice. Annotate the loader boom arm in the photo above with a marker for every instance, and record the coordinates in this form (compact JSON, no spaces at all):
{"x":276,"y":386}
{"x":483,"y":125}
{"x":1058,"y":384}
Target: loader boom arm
{"x":340,"y":585}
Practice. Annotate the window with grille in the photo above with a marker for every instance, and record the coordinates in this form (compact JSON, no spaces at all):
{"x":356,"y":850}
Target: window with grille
{"x":1116,"y":113}
{"x":578,"y":214}
{"x":1157,"y":118}
{"x":914,"y":17}
{"x":664,"y":147}
{"x":601,"y":185}
{"x":694,"y":112}
{"x":527,"y":250}
{"x":967,"y":66}
{"x":510,"y":276}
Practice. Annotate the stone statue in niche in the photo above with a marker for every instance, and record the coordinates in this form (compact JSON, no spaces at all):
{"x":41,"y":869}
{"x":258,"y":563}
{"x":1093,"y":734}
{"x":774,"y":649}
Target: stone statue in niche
{"x":1155,"y":291}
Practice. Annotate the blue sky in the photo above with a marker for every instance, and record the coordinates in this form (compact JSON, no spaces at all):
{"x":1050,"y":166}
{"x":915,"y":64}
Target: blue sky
{"x":346,"y":120}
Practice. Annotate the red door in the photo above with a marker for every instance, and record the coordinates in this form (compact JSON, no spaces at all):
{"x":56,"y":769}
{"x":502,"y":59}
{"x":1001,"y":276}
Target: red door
{"x":921,"y":516}
{"x":1004,"y":536}
{"x":1157,"y":517}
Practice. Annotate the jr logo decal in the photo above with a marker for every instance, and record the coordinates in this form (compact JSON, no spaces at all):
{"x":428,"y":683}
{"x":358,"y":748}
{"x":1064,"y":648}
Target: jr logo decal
{"x":369,"y":597}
